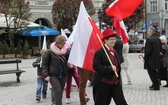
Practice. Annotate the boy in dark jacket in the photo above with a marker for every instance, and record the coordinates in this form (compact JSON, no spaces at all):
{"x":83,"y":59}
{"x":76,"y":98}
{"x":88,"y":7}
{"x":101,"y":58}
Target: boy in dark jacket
{"x":41,"y":83}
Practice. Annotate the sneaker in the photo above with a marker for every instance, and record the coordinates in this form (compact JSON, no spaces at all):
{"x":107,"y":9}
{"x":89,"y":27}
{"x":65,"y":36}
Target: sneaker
{"x":68,"y":101}
{"x":87,"y":99}
{"x":90,"y":84}
{"x":165,"y":85}
{"x":38,"y":99}
{"x":128,"y":83}
{"x":44,"y":96}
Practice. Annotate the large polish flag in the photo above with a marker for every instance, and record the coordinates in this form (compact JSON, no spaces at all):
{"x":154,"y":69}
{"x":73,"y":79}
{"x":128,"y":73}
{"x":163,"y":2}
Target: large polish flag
{"x":121,"y":30}
{"x":86,"y":42}
{"x":122,"y":8}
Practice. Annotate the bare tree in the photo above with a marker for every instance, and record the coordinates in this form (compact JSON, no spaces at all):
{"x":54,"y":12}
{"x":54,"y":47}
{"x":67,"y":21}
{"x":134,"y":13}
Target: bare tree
{"x":16,"y":13}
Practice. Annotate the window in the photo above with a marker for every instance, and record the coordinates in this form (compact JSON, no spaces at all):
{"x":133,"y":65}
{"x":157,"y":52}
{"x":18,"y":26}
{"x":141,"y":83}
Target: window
{"x":135,"y":42}
{"x":153,"y":6}
{"x":41,"y":2}
{"x":141,"y":42}
{"x":166,"y":4}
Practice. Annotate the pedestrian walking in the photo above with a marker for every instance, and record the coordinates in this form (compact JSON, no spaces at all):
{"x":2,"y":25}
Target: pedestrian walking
{"x":84,"y":76}
{"x":55,"y":67}
{"x":72,"y":72}
{"x":125,"y":64}
{"x":163,"y":72}
{"x":152,"y":58}
{"x":42,"y":84}
{"x":106,"y":82}
{"x":119,"y":47}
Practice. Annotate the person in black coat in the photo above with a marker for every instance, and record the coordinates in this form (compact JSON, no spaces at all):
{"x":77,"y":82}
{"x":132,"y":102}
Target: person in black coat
{"x":54,"y":67}
{"x":106,"y":84}
{"x":164,"y":61}
{"x":119,"y":47}
{"x":152,"y":58}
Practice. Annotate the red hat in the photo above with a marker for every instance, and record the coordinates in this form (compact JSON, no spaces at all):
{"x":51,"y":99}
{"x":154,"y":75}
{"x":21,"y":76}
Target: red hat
{"x":108,"y":33}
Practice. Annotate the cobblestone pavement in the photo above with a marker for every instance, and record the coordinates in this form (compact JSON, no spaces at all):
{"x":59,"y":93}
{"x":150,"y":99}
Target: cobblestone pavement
{"x":12,"y":93}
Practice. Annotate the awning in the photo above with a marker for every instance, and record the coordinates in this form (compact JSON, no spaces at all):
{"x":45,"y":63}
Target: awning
{"x":12,"y":22}
{"x":38,"y":31}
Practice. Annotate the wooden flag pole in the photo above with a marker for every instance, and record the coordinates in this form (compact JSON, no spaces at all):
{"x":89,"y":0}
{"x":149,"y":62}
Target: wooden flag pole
{"x":106,"y":54}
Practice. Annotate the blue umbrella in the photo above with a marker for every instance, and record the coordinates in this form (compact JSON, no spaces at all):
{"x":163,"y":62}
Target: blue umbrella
{"x":38,"y":31}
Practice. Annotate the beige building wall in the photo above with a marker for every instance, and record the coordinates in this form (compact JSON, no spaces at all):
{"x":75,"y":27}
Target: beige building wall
{"x":42,"y":9}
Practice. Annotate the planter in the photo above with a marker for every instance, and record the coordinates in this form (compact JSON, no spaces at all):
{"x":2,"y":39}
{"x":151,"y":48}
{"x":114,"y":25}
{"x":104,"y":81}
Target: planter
{"x":19,"y":55}
{"x":1,"y":56}
{"x":34,"y":50}
{"x":9,"y":56}
{"x":26,"y":56}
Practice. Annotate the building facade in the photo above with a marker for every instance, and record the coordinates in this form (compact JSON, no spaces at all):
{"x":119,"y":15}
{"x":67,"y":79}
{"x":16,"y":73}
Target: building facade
{"x":157,"y":14}
{"x":41,"y":11}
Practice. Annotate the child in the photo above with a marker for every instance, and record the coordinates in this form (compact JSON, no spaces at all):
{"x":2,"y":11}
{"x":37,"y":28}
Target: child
{"x":41,"y":83}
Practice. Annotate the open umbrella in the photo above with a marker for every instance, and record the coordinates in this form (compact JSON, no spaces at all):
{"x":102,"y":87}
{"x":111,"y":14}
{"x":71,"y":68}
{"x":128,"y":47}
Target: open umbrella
{"x":38,"y":31}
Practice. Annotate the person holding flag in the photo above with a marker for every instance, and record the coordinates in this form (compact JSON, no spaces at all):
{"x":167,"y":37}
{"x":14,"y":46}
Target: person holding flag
{"x":120,"y":9}
{"x":106,"y":64}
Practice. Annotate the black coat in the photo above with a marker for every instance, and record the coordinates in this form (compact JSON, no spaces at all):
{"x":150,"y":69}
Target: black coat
{"x":119,"y":47}
{"x":152,"y":55}
{"x":164,"y":57}
{"x":53,"y":65}
{"x":102,"y":66}
{"x":37,"y":64}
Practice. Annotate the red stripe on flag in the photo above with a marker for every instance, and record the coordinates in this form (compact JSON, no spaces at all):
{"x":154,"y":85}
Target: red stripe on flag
{"x":92,"y":47}
{"x":123,"y":8}
{"x":121,"y":30}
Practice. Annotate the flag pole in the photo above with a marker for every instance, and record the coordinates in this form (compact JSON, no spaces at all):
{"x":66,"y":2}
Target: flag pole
{"x":106,"y":54}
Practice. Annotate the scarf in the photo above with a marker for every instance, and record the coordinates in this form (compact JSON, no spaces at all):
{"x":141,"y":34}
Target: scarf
{"x":56,"y":50}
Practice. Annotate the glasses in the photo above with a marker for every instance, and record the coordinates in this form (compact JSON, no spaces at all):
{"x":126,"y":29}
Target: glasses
{"x":149,"y":31}
{"x":112,"y":39}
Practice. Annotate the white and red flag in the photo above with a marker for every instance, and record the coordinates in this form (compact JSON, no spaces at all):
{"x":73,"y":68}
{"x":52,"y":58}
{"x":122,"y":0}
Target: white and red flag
{"x":122,"y":8}
{"x":86,"y":42}
{"x":121,"y":30}
{"x":63,"y":34}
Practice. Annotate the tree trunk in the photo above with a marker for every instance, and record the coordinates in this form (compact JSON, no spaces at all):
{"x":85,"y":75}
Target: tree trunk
{"x":11,"y":36}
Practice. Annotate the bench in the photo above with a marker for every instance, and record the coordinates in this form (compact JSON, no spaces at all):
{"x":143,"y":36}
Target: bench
{"x":17,"y":71}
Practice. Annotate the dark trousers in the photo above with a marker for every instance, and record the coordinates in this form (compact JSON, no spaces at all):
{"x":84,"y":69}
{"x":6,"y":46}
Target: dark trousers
{"x":84,"y":76}
{"x":154,"y":76}
{"x":103,"y":93}
{"x":58,"y":87}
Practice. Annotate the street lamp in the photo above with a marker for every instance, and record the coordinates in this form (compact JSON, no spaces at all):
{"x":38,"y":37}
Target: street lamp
{"x":99,"y":13}
{"x":145,"y":32}
{"x":161,"y":21}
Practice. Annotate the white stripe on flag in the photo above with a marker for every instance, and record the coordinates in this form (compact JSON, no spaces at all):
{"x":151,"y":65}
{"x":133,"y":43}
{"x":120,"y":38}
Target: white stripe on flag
{"x":82,"y":32}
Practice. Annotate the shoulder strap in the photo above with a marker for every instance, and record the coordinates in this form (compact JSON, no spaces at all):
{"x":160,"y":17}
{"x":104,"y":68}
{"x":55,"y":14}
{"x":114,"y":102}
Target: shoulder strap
{"x":62,"y":58}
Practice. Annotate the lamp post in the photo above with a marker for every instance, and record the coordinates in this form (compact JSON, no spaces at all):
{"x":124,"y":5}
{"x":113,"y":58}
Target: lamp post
{"x":99,"y":13}
{"x":145,"y":33}
{"x":161,"y":21}
{"x":39,"y":38}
